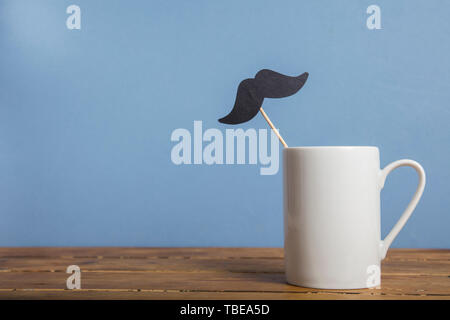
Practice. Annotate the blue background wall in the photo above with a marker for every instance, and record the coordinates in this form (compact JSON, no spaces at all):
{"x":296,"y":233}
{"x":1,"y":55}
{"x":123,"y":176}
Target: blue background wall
{"x":86,"y":115}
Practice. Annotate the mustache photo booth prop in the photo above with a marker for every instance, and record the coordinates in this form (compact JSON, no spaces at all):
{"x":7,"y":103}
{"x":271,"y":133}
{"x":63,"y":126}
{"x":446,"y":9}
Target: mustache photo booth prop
{"x":251,"y":93}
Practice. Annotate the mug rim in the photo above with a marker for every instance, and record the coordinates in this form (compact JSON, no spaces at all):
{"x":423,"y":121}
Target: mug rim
{"x":330,"y":147}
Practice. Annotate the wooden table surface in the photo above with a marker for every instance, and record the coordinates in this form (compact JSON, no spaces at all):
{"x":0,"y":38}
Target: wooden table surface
{"x":202,"y":273}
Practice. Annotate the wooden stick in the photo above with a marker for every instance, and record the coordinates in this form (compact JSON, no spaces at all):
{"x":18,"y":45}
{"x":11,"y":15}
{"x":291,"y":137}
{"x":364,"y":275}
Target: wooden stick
{"x":272,"y":126}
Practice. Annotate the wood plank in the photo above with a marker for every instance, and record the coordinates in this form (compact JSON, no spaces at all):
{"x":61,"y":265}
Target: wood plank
{"x":244,"y":282}
{"x":254,"y":265}
{"x":141,"y":252}
{"x":100,"y":294}
{"x":195,"y":253}
{"x":262,"y":265}
{"x":418,"y":254}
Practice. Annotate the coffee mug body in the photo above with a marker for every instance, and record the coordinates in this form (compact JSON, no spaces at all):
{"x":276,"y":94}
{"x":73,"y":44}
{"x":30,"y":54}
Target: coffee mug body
{"x":332,"y":233}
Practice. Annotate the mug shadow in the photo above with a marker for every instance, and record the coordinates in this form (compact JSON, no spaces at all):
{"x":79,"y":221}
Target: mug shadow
{"x":262,"y":275}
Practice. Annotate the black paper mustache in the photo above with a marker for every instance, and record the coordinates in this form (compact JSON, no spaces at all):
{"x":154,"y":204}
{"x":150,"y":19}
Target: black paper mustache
{"x":251,"y":93}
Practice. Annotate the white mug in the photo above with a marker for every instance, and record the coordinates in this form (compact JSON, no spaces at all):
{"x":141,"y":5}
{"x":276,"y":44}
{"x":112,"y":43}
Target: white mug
{"x":332,"y":237}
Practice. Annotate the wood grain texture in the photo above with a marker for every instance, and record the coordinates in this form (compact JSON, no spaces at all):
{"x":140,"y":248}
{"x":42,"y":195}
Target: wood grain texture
{"x":202,"y":273}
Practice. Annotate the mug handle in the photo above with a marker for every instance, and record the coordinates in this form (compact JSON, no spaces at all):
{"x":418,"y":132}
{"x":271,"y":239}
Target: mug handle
{"x":386,"y":243}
